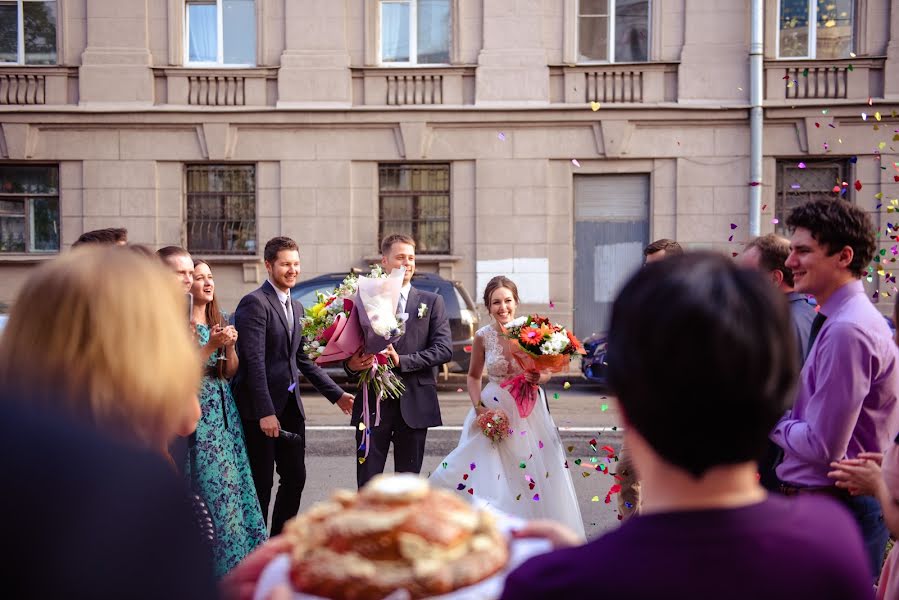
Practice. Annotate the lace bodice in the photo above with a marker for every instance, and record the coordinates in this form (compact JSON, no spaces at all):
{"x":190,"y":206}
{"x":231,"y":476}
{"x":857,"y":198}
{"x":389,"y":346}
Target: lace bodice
{"x":497,"y":362}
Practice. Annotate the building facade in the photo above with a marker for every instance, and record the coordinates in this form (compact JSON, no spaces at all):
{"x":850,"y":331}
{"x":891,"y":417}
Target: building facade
{"x":549,"y":140}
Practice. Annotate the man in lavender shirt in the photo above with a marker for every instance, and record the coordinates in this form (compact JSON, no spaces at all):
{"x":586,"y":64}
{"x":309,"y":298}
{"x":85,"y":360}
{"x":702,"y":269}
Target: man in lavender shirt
{"x":696,"y":420}
{"x":847,"y":397}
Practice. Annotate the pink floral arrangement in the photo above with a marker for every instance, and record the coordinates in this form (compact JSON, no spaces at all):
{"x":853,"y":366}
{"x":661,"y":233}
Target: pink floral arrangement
{"x":494,"y":424}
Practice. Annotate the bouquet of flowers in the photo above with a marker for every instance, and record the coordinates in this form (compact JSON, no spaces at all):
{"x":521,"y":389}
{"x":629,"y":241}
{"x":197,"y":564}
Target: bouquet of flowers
{"x":537,"y":345}
{"x":360,"y":313}
{"x":494,"y":424}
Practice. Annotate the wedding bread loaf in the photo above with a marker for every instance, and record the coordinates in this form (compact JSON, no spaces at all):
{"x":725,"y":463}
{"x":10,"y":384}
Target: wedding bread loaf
{"x":395,"y":533}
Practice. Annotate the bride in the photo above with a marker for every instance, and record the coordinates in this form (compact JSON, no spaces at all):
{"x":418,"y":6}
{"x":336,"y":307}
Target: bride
{"x":525,"y":474}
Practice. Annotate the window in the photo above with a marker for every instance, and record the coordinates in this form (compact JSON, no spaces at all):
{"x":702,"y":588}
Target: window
{"x":829,"y":37}
{"x":415,"y":32}
{"x":220,"y":32}
{"x":415,"y":200}
{"x":29,"y":209}
{"x":28,"y":32}
{"x":798,"y":182}
{"x":221,"y":209}
{"x":613,"y":30}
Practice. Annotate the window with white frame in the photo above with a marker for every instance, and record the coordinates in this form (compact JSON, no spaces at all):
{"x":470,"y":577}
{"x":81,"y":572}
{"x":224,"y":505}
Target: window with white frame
{"x":28,"y":32}
{"x":415,"y":32}
{"x":220,"y":32}
{"x":817,"y":29}
{"x":29,"y":208}
{"x":613,"y":30}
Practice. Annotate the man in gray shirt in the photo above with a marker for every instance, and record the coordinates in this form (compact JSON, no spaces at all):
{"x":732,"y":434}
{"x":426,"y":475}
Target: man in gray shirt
{"x":768,"y":254}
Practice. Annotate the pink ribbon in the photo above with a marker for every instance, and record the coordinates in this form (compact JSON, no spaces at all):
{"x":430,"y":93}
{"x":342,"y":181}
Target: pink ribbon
{"x":366,"y":419}
{"x":523,"y":392}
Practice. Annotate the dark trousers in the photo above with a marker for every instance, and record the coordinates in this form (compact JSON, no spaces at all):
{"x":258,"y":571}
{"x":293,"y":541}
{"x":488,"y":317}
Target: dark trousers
{"x":408,"y":442}
{"x":868,"y":515}
{"x":266,"y":453}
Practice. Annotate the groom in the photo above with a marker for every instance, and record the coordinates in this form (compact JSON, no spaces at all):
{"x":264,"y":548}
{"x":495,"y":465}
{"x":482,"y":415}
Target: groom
{"x":426,"y":345}
{"x":271,"y":357}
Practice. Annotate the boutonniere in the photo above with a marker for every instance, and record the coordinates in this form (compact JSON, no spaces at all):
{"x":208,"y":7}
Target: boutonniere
{"x":422,"y":310}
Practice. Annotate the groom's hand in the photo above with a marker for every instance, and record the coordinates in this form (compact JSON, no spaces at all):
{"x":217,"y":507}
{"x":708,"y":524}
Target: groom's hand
{"x":346,"y":403}
{"x":270,"y":425}
{"x":392,"y":354}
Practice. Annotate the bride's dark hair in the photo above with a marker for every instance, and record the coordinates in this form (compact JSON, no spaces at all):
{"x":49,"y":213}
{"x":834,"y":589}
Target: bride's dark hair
{"x":500,"y":281}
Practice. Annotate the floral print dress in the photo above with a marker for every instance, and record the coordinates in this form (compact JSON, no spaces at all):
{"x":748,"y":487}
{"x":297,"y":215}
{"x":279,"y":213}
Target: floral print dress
{"x":223,"y":475}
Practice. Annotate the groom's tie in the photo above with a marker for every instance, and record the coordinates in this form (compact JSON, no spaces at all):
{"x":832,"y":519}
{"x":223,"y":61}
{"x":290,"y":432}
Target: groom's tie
{"x":287,"y":309}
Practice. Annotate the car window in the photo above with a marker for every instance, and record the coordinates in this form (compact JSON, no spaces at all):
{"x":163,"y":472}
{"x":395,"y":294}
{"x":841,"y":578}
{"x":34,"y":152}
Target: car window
{"x":463,"y":301}
{"x":306,"y":295}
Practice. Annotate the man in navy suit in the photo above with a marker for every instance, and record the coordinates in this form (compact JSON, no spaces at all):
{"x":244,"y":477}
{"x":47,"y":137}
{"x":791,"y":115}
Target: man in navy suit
{"x":424,"y":346}
{"x":265,"y":387}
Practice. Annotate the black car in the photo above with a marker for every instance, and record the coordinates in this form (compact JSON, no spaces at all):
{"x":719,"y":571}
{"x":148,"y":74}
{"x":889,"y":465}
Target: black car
{"x":593,"y":363}
{"x":463,"y":318}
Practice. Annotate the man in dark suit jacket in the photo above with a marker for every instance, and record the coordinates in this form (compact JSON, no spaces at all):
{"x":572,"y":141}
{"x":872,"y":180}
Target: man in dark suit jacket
{"x":88,"y":518}
{"x":424,"y":346}
{"x":265,"y":387}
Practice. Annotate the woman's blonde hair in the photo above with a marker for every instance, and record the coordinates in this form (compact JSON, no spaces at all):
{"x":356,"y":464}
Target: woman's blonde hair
{"x":103,"y":334}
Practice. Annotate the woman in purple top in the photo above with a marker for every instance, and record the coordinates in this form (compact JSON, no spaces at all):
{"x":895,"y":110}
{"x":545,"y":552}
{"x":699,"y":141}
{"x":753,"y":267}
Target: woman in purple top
{"x":696,"y":422}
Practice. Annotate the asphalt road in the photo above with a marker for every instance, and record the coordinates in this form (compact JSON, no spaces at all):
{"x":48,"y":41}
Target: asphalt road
{"x":583,"y":414}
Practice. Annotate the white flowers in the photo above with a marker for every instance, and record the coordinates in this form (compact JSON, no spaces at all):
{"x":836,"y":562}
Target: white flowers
{"x":381,"y":315}
{"x":516,"y":322}
{"x":556,"y":343}
{"x":422,"y":310}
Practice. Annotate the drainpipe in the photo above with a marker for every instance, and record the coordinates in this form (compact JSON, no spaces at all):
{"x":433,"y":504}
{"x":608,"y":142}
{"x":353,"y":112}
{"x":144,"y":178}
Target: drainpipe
{"x":756,"y":73}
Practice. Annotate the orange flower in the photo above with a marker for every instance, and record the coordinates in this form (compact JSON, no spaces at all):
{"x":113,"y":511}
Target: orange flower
{"x":530,"y":335}
{"x":575,"y":343}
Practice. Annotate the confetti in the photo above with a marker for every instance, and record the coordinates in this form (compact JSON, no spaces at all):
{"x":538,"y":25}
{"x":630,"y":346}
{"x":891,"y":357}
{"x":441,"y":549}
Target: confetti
{"x":556,"y":396}
{"x":472,"y":467}
{"x":801,"y":165}
{"x":458,"y":390}
{"x":578,"y":461}
{"x":877,"y":116}
{"x":522,"y":465}
{"x":865,"y":116}
{"x":361,"y":425}
{"x":552,"y":304}
{"x":536,"y":497}
{"x":795,"y":186}
{"x":870,"y":101}
{"x":464,"y":476}
{"x":585,"y":474}
{"x":730,"y":239}
{"x":733,"y":226}
{"x":604,"y":407}
{"x":361,"y":459}
{"x":570,"y":449}
{"x":594,"y":106}
{"x":501,"y":136}
{"x":540,"y":444}
{"x":471,"y":491}
{"x":858,"y":185}
{"x":575,"y":162}
{"x":518,"y":497}
{"x":460,"y":487}
{"x":566,"y":386}
{"x":775,"y":221}
{"x":764,"y":206}
{"x":445,"y":465}
{"x":594,"y":499}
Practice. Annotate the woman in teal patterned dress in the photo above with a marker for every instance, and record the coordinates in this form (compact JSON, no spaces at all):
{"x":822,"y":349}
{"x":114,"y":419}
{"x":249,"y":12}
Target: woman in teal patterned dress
{"x":222,"y":471}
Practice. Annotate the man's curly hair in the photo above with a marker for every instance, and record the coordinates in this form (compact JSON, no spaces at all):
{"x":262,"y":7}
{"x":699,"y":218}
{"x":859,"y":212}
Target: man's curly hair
{"x":836,"y":224}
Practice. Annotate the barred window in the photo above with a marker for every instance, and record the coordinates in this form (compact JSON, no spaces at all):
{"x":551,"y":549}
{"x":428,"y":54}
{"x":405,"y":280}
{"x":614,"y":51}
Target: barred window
{"x":415,"y":200}
{"x":221,"y":209}
{"x":29,"y":209}
{"x":798,"y":182}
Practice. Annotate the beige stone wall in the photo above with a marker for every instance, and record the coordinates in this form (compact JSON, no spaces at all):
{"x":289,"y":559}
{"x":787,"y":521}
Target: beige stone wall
{"x":316,"y":117}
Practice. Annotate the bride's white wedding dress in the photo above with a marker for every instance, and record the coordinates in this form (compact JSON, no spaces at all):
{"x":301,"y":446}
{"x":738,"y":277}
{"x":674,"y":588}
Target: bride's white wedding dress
{"x":523,"y":475}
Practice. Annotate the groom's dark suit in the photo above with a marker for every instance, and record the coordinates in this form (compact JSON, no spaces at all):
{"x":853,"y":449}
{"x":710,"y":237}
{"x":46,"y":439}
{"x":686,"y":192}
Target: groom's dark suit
{"x":265,"y":384}
{"x":426,"y":345}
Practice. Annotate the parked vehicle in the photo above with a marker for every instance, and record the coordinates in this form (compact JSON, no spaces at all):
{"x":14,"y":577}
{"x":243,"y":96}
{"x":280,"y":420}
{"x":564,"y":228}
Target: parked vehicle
{"x":593,"y":363}
{"x":463,"y":318}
